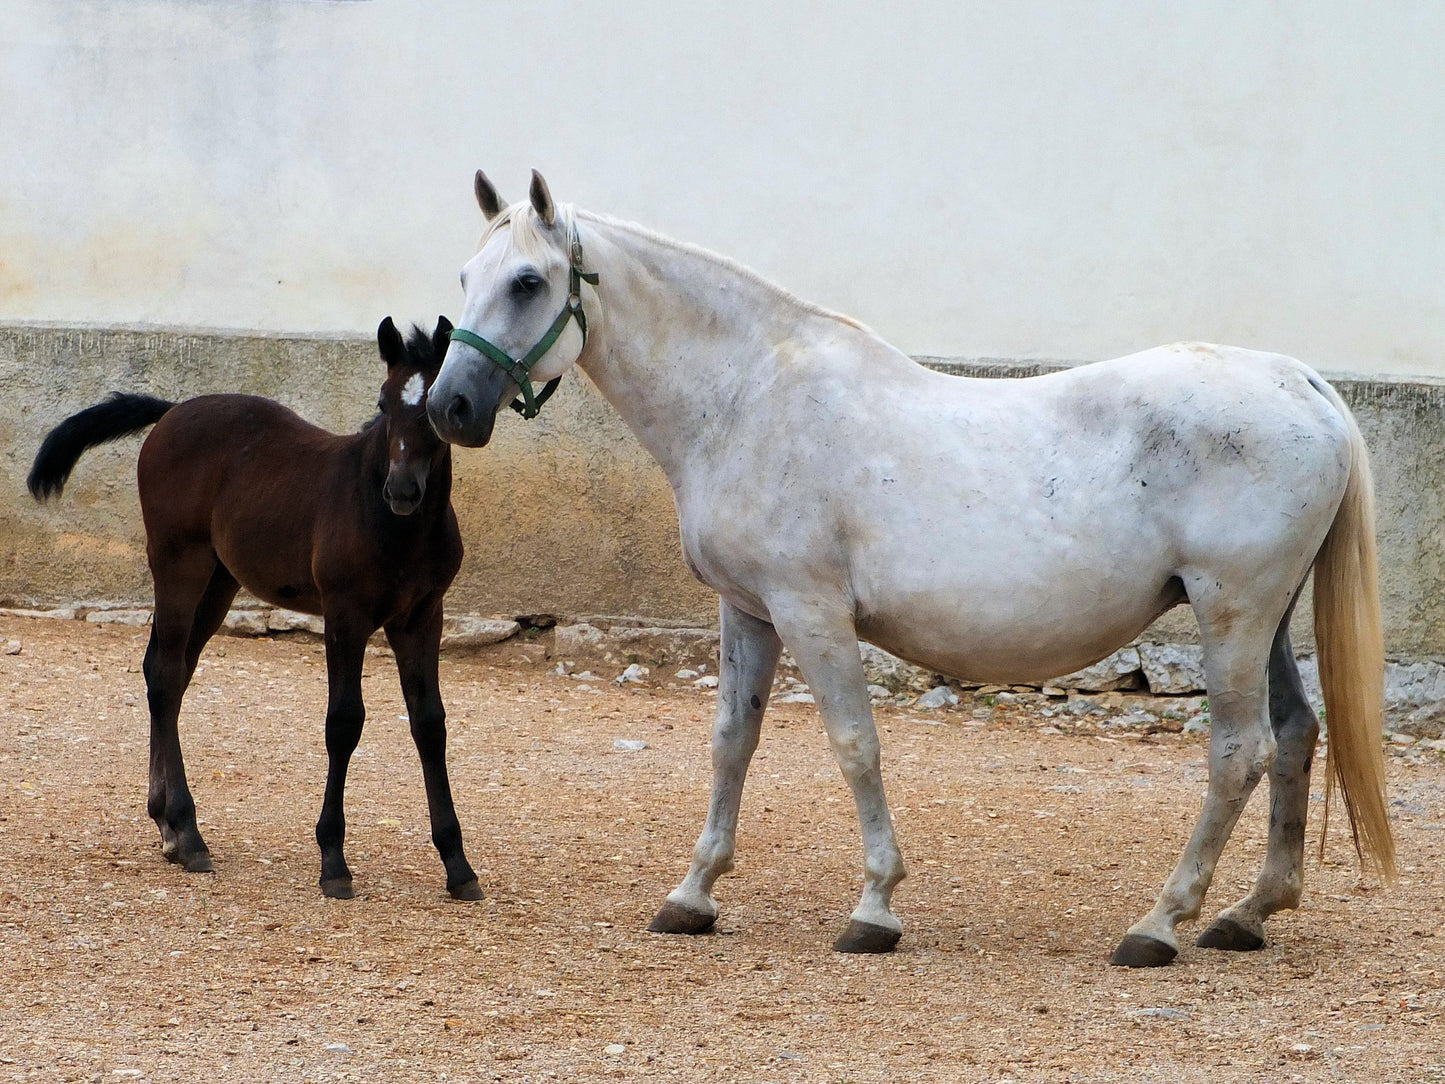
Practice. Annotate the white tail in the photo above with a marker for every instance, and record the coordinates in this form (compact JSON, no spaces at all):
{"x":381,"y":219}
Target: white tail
{"x":1352,"y":661}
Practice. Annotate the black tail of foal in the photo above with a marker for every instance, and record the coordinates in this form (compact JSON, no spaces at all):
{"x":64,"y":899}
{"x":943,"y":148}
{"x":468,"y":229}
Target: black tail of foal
{"x":117,"y":416}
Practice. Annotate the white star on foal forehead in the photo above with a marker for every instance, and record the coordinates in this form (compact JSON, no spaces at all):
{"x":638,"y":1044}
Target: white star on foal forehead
{"x":413,"y":390}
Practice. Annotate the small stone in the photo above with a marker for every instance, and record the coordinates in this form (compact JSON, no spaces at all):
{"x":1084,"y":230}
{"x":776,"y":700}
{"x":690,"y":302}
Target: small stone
{"x":633,"y":675}
{"x":1172,"y":668}
{"x":629,"y":745}
{"x":614,"y":1049}
{"x":878,"y":692}
{"x":1424,"y":722}
{"x":585,"y":675}
{"x":940,"y":697}
{"x":119,"y":617}
{"x":1119,"y":671}
{"x":707,"y":681}
{"x":881,"y":668}
{"x":64,"y":613}
{"x":338,"y":1048}
{"x":686,"y":675}
{"x":1402,"y":739}
{"x":790,"y":698}
{"x":562,"y":669}
{"x":1053,"y":692}
{"x":1158,"y":1013}
{"x":13,"y":647}
{"x":1049,"y":730}
{"x":295,"y":621}
{"x":245,"y":623}
{"x":468,"y":630}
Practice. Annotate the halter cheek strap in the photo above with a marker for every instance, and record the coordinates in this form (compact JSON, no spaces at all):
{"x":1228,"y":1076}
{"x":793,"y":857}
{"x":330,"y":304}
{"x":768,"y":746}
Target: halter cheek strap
{"x":519,"y":369}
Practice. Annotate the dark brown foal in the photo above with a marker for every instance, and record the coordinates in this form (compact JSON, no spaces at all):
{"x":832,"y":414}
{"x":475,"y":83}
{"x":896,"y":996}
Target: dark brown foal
{"x":239,"y":491}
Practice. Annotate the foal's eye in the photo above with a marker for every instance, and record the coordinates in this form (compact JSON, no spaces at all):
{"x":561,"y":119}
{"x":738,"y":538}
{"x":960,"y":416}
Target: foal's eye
{"x":381,"y":405}
{"x":527,"y":283}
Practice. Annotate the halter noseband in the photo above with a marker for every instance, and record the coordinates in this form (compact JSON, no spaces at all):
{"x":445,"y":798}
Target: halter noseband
{"x":519,"y":369}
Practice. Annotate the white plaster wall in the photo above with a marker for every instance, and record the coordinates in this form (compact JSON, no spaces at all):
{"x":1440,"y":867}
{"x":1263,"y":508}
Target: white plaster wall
{"x":1042,"y":179}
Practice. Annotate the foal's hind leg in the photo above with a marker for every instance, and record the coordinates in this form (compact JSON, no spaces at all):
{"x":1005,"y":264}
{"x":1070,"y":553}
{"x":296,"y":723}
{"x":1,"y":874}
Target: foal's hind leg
{"x":1240,"y":749}
{"x":192,"y":594}
{"x":1296,"y":729}
{"x":749,"y":658}
{"x":417,"y":644}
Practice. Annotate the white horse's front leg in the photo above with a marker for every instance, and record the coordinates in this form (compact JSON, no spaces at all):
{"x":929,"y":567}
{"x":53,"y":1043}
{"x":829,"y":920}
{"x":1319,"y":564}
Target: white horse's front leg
{"x":828,"y":656}
{"x":749,"y":658}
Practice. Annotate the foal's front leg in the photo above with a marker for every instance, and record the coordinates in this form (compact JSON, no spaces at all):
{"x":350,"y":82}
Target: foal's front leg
{"x":346,"y":639}
{"x":749,"y":658}
{"x":417,"y":644}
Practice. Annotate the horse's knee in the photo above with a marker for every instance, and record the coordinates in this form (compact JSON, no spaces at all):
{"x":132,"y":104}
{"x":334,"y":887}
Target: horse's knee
{"x":429,"y":734}
{"x":856,"y":755}
{"x":343,"y":729}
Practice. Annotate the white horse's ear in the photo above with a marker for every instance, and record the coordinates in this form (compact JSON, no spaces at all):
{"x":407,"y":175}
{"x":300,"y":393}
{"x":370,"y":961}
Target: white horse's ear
{"x":487,"y":198}
{"x":542,"y":200}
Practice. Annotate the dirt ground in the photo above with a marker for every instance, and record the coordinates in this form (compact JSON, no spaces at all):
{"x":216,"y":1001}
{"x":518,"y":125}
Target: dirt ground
{"x":1029,"y":852}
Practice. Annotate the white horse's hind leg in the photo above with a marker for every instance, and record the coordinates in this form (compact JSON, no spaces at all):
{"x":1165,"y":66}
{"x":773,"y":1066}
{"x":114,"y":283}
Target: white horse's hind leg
{"x":1296,"y":729}
{"x":1241,"y":747}
{"x":828,"y":656}
{"x":749,"y":658}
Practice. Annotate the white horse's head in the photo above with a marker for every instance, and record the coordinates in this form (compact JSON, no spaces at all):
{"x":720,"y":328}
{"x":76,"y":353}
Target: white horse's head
{"x":522,"y":322}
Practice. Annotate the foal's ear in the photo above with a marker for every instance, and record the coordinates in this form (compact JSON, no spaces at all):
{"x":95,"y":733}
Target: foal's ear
{"x":542,"y":200}
{"x":389,"y":342}
{"x":442,"y":337}
{"x":487,"y":198}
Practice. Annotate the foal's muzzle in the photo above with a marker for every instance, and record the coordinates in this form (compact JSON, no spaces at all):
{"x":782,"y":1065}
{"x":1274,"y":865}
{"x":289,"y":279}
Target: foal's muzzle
{"x":403,"y":494}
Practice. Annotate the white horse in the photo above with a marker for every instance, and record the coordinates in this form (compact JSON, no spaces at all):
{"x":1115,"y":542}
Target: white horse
{"x":830,"y":489}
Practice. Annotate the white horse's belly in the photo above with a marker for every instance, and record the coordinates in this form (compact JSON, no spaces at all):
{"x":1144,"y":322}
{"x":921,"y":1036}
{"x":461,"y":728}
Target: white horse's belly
{"x":988,"y":637}
{"x":1027,"y":605}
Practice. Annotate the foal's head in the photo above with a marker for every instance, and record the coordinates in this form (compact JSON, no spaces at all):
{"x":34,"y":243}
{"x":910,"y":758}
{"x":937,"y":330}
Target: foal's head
{"x":413,"y":448}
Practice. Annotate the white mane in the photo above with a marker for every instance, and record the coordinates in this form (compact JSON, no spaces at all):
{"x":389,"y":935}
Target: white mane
{"x":741,"y":270}
{"x":529,"y":238}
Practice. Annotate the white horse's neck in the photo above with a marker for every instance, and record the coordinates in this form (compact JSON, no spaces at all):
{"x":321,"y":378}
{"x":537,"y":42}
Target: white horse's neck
{"x":687,"y":338}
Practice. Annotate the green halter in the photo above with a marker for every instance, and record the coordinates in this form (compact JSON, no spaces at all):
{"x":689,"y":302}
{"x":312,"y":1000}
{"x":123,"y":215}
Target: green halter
{"x":519,"y":369}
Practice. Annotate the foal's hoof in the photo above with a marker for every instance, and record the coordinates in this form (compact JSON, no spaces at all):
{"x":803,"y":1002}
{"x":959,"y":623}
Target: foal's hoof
{"x":338,"y":888}
{"x":195,"y":862}
{"x":675,"y":918}
{"x":1229,"y":935}
{"x":866,"y":937}
{"x":468,"y":890}
{"x":1136,"y":950}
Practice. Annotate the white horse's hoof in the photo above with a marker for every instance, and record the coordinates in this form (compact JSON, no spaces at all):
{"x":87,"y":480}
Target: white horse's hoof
{"x":1231,"y":936}
{"x":866,"y":937}
{"x":675,"y":918}
{"x":1136,"y":950}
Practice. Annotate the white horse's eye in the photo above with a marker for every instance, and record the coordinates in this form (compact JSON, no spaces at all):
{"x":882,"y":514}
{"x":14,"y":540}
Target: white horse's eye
{"x":527,"y":283}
